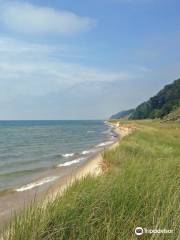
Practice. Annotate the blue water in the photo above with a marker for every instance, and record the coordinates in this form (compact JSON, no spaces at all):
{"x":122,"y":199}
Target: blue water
{"x":28,"y":148}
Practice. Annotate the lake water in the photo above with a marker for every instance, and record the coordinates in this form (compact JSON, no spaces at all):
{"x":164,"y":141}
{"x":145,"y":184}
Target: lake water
{"x":27,"y":148}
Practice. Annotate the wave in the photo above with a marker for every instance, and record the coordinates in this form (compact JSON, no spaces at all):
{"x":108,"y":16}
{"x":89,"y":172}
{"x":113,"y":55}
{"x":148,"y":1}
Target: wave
{"x":36,"y":184}
{"x":91,"y":131}
{"x":85,"y":152}
{"x":66,"y":155}
{"x":71,"y":162}
{"x":105,"y":143}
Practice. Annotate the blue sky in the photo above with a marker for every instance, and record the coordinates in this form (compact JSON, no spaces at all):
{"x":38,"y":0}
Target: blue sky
{"x":85,"y":59}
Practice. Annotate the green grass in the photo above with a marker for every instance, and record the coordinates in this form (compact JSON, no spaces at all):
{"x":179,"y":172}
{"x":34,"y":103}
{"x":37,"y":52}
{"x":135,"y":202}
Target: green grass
{"x":142,"y":188}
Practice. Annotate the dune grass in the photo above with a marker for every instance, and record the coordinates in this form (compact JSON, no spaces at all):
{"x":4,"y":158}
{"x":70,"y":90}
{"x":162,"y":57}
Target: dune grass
{"x":142,"y":188}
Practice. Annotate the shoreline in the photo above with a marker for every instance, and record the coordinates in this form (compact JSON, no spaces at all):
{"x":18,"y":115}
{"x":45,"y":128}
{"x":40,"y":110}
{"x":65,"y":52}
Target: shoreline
{"x":92,"y":167}
{"x":15,"y":202}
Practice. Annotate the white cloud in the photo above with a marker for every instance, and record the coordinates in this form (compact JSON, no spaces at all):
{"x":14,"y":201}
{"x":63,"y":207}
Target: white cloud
{"x":26,"y":18}
{"x":31,"y":69}
{"x":13,"y":46}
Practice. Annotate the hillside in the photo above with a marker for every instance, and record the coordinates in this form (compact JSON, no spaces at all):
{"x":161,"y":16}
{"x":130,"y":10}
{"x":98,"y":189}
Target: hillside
{"x":122,"y":114}
{"x":164,"y":102}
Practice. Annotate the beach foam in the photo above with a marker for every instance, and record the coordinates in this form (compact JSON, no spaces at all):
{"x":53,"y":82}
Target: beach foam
{"x":71,"y":162}
{"x":36,"y":184}
{"x":105,"y":143}
{"x":85,"y":152}
{"x":66,"y":155}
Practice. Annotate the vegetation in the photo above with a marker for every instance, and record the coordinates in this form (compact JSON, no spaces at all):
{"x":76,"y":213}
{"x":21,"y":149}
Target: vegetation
{"x":173,"y":116}
{"x":123,"y":114}
{"x":167,"y":100}
{"x":141,"y":188}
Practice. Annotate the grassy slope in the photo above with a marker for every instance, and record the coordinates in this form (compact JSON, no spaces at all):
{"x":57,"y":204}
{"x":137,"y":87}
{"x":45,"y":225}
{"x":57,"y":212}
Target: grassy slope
{"x":140,"y":189}
{"x":175,"y":116}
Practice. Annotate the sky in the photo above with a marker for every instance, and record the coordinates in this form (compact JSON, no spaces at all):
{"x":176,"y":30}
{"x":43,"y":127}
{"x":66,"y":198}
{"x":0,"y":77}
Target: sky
{"x":85,"y":59}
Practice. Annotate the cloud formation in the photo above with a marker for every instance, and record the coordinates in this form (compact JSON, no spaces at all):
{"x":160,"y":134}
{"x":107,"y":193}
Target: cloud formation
{"x":32,"y":69}
{"x":29,"y":19}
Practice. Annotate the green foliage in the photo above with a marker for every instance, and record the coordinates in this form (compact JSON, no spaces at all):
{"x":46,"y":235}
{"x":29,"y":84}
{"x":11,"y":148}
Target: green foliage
{"x":122,"y":114}
{"x":173,"y":116}
{"x":167,"y":100}
{"x":140,"y":189}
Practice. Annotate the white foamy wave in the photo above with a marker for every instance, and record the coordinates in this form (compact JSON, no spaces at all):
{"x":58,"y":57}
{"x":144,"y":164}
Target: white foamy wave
{"x":66,"y":155}
{"x":104,"y":144}
{"x":85,"y":152}
{"x":91,"y":131}
{"x":36,"y":184}
{"x":71,"y":162}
